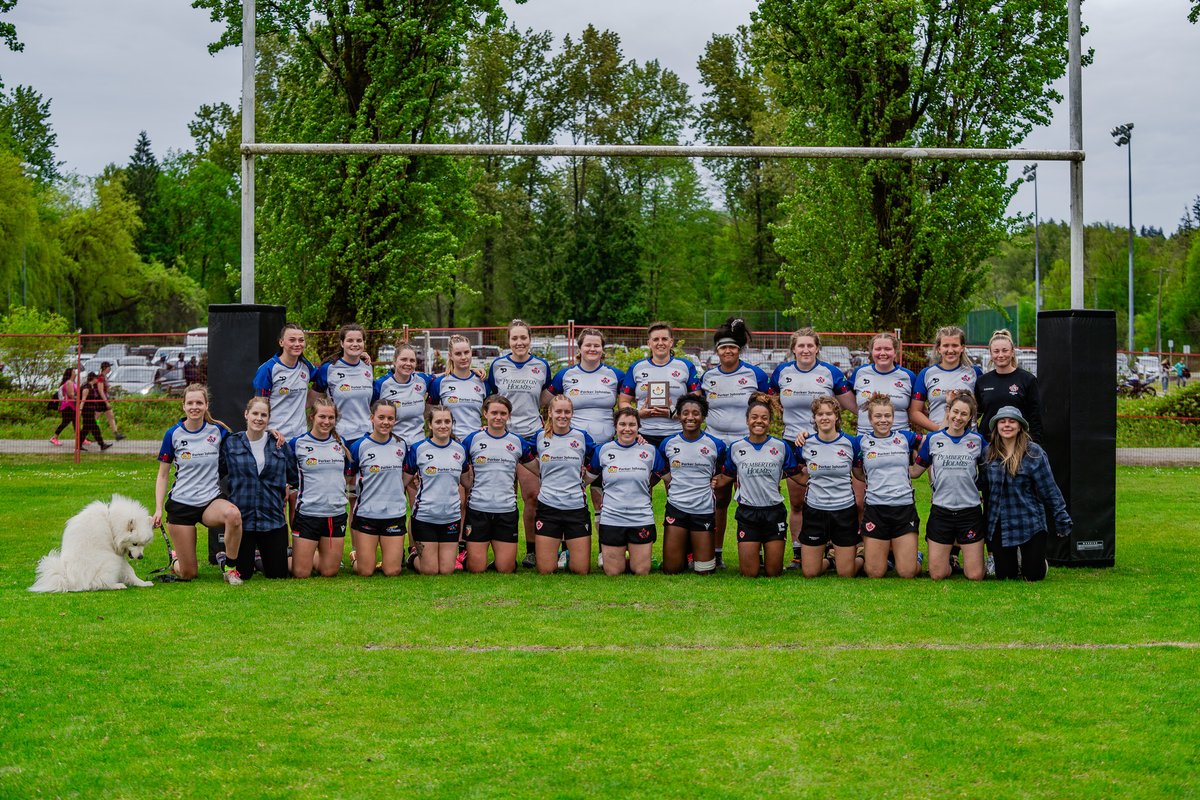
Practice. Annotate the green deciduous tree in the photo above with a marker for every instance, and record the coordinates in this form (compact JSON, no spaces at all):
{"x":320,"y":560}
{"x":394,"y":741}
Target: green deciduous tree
{"x":25,"y":130}
{"x":883,"y":244}
{"x":8,"y":31}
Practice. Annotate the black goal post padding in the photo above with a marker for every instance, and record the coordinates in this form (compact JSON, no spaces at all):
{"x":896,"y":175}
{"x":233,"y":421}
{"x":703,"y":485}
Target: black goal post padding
{"x":240,"y":338}
{"x":1077,"y":374}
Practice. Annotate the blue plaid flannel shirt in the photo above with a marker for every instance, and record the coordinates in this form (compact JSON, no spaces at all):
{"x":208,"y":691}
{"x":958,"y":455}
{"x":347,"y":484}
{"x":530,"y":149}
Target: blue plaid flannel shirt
{"x":260,"y":497}
{"x":1015,"y":504}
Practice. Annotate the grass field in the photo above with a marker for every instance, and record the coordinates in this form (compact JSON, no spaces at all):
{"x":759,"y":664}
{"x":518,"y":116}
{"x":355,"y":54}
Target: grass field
{"x":515,"y":686}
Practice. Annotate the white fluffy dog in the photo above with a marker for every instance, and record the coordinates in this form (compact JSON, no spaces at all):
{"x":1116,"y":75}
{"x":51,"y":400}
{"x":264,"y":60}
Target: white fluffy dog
{"x":95,"y":544}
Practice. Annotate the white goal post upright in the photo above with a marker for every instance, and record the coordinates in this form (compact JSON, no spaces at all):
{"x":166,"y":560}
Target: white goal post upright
{"x":1075,"y":155}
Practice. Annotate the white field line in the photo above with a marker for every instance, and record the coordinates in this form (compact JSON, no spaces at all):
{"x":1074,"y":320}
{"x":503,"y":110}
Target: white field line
{"x":780,"y":647}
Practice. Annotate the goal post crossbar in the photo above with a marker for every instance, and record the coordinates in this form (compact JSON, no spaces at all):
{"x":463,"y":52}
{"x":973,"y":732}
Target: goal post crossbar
{"x":659,"y":151}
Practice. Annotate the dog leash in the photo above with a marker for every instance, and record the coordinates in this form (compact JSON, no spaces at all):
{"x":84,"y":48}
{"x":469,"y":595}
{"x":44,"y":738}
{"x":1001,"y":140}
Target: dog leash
{"x":167,"y":574}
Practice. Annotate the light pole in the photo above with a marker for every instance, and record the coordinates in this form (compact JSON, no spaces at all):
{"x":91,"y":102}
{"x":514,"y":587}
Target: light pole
{"x":1030,"y":175}
{"x":1123,"y":134}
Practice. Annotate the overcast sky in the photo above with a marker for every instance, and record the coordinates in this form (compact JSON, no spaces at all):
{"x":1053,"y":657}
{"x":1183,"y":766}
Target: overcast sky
{"x":115,"y":67}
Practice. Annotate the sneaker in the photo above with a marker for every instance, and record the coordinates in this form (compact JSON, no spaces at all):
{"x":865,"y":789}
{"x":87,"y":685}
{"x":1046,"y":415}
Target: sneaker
{"x":720,"y":563}
{"x":54,"y":441}
{"x":458,"y":561}
{"x":105,"y":446}
{"x":563,"y":559}
{"x":793,"y":564}
{"x":691,"y":563}
{"x":990,"y":565}
{"x":258,"y":560}
{"x":955,"y":567}
{"x":233,"y":577}
{"x":529,"y":561}
{"x":920,"y":559}
{"x":600,"y":561}
{"x":119,"y":436}
{"x":221,"y":559}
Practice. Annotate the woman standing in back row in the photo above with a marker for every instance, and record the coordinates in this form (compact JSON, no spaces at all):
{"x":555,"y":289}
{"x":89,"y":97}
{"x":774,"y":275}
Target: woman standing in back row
{"x":1008,"y":385}
{"x":952,"y":372}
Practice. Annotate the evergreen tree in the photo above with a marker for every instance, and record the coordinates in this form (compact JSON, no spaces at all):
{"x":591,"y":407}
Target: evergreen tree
{"x":141,"y":184}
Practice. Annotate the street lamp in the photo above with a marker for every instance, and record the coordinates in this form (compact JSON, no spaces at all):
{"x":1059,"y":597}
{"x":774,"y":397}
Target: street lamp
{"x":1030,"y":175}
{"x":1123,"y":136}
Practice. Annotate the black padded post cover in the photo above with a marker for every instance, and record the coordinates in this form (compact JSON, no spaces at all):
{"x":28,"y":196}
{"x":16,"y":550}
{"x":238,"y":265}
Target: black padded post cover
{"x":1077,"y":375}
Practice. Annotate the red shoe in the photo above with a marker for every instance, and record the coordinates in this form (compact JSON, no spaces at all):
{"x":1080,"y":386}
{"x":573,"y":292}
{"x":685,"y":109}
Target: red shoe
{"x":458,"y":562}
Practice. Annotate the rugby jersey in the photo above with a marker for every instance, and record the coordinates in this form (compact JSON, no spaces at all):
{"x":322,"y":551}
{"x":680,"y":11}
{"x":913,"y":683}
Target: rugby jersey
{"x":693,"y":463}
{"x":440,"y":468}
{"x":678,"y":372}
{"x":196,"y":457}
{"x":380,"y":470}
{"x":829,"y":464}
{"x":323,"y":466}
{"x":562,"y":457}
{"x":593,"y":396}
{"x":797,"y":388}
{"x":409,"y":399}
{"x":758,"y":469}
{"x":625,"y":474}
{"x":934,"y":385}
{"x":288,"y":389}
{"x":494,"y":460}
{"x":897,"y":383}
{"x":522,"y":383}
{"x":728,"y":394}
{"x":955,"y":467}
{"x":885,"y":461}
{"x":350,"y":387}
{"x":464,"y":398}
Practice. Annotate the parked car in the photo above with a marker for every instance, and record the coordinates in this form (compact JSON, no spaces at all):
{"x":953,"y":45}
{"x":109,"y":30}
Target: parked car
{"x":1027,"y":361}
{"x":1147,"y":366}
{"x":482,"y":355}
{"x":112,"y":352}
{"x":386,"y":355}
{"x":143,"y":350}
{"x":838,"y":355}
{"x":132,"y":380}
{"x":197,"y":337}
{"x":132,"y":361}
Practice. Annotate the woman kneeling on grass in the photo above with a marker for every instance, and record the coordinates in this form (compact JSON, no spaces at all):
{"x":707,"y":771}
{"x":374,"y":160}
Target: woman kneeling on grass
{"x":627,"y":471}
{"x":494,"y":454}
{"x":440,"y":463}
{"x":955,"y":517}
{"x":193,"y":445}
{"x":890,"y":520}
{"x":319,"y":526}
{"x":830,"y":514}
{"x":694,"y":458}
{"x":378,"y":525}
{"x":1018,"y":485}
{"x":257,"y":472}
{"x":562,"y":515}
{"x":758,"y":463}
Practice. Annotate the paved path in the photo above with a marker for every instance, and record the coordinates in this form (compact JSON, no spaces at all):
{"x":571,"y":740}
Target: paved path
{"x":1129,"y":456}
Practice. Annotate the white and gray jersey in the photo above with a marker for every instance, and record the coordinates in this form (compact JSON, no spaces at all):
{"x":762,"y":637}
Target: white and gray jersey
{"x":626,"y":473}
{"x":885,"y":460}
{"x":288,"y":389}
{"x":562,"y":457}
{"x":797,"y":388}
{"x":934,"y":385}
{"x":728,"y":394}
{"x":897,"y":384}
{"x":954,"y":463}
{"x":195,"y":456}
{"x":522,"y":383}
{"x":439,"y":468}
{"x":380,"y":470}
{"x":464,"y":397}
{"x":693,"y":464}
{"x":829,"y":466}
{"x":678,"y":373}
{"x":323,"y":466}
{"x":593,"y":396}
{"x":494,"y":460}
{"x":350,"y":387}
{"x":759,"y":468}
{"x":408,"y":397}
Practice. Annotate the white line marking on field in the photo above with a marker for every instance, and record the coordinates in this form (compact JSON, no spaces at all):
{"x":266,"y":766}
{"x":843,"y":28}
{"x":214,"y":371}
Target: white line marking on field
{"x":781,"y":646}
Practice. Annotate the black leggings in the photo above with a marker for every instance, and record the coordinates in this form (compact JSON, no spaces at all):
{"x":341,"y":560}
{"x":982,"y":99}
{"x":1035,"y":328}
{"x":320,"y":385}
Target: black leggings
{"x":89,"y":427}
{"x":272,"y":545}
{"x":1032,"y":565}
{"x":68,"y":419}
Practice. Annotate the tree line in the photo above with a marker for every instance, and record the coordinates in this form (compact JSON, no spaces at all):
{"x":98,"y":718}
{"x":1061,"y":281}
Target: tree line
{"x":848,"y":245}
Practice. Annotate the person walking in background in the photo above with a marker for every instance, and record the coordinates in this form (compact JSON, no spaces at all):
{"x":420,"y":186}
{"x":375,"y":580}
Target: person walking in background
{"x":1165,"y":374}
{"x":105,"y":405}
{"x":68,"y":394}
{"x":1182,"y":373}
{"x":89,"y":404}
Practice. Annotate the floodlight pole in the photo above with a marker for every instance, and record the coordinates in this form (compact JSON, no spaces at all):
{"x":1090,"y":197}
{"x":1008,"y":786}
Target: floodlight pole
{"x":249,"y":51}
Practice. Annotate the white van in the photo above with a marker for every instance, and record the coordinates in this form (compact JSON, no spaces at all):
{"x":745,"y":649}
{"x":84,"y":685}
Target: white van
{"x":197,"y":337}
